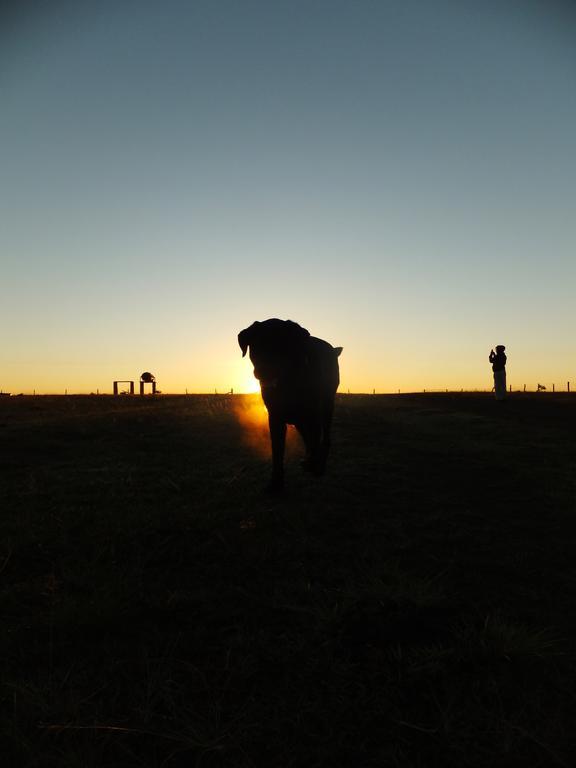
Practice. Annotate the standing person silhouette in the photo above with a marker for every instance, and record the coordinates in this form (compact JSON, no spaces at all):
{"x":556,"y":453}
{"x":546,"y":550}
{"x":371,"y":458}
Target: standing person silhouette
{"x":498,"y":360}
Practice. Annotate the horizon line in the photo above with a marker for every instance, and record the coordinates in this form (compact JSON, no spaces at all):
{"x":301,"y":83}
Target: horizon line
{"x":562,"y":389}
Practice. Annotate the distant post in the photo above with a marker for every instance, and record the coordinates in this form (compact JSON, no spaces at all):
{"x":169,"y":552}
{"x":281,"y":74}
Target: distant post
{"x":553,"y":388}
{"x":568,"y":386}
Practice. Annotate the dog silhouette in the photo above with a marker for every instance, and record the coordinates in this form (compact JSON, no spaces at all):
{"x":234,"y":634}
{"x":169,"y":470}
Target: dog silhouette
{"x":298,"y":376}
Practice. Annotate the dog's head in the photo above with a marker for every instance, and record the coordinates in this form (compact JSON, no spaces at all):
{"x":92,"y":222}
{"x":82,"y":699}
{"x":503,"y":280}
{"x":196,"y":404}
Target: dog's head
{"x":275,"y":347}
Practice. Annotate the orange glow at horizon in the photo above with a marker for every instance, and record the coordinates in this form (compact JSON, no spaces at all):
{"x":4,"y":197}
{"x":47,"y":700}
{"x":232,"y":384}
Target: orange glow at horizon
{"x":249,"y":385}
{"x":221,"y":370}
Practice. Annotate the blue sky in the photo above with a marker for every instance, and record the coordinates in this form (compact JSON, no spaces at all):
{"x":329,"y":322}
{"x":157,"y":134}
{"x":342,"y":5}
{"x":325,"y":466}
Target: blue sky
{"x":396,"y":176}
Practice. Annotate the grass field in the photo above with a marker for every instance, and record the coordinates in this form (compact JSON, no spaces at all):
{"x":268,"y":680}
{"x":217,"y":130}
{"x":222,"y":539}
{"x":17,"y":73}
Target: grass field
{"x":414,"y":607}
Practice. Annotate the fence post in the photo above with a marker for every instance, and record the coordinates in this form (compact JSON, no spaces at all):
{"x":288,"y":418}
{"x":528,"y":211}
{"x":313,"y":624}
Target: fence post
{"x":568,"y":386}
{"x":553,"y":388}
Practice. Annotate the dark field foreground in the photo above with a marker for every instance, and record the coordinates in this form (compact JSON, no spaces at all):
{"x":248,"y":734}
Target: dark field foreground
{"x":415,"y":607}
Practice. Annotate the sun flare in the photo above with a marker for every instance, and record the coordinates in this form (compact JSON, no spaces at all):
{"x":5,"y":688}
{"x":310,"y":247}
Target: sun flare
{"x":249,"y":385}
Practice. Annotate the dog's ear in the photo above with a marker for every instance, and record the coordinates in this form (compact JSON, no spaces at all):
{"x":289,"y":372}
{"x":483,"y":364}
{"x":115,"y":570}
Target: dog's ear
{"x":244,"y":340}
{"x":338,"y":351}
{"x":245,"y":337}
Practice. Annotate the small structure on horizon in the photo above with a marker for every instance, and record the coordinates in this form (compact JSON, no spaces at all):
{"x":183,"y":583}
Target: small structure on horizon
{"x":147,"y":378}
{"x":541,"y":388}
{"x":131,"y":383}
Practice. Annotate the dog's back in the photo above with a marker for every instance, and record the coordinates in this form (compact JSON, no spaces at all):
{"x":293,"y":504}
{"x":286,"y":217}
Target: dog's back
{"x":323,"y":358}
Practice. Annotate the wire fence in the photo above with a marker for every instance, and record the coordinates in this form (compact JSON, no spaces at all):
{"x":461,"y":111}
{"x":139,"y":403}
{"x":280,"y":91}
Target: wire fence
{"x":540,"y":387}
{"x":543,"y":386}
{"x":549,"y":386}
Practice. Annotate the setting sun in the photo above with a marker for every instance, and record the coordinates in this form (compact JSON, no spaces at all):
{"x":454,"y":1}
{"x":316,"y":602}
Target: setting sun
{"x":249,"y":385}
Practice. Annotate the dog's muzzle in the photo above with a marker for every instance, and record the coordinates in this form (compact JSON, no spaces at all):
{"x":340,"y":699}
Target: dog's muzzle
{"x":268,"y":383}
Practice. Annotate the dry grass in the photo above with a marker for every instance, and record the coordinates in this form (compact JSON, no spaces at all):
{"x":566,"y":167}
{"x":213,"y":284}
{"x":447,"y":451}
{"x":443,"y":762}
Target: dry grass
{"x":412,"y":608}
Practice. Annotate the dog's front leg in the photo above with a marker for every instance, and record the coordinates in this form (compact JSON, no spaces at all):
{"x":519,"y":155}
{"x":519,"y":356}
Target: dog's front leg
{"x":278,"y":440}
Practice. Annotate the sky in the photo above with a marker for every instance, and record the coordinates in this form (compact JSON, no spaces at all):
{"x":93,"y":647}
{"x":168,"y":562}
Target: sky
{"x":397,"y":176}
